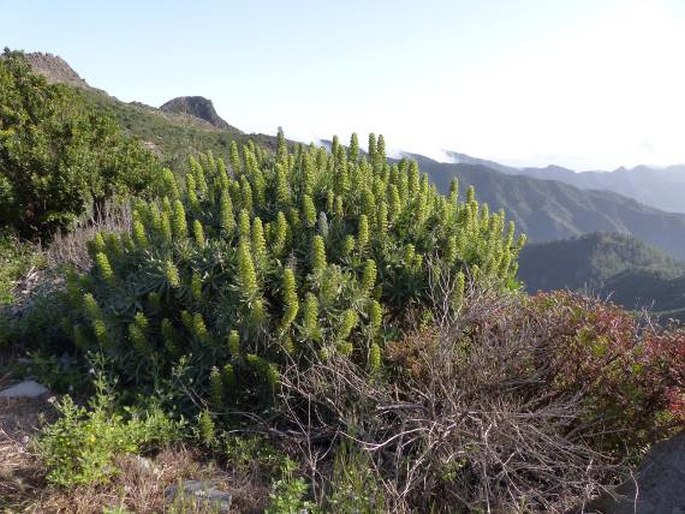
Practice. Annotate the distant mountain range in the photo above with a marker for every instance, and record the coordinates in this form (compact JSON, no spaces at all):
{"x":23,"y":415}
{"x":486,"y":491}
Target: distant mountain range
{"x":632,"y":273}
{"x":662,"y":188}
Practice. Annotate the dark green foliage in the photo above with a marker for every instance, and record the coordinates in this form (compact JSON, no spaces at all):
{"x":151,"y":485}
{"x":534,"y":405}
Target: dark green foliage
{"x":278,"y":259}
{"x":635,"y":274}
{"x":588,"y":261}
{"x":58,"y":157}
{"x":638,"y":289}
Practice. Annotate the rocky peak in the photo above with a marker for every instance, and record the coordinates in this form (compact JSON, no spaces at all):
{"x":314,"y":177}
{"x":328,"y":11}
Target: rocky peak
{"x":54,"y":69}
{"x":198,"y":107}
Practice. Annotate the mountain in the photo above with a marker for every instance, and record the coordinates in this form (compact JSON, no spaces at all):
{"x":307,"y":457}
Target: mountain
{"x":548,"y":210}
{"x":634,"y":274}
{"x":197,"y":106}
{"x":663,"y":188}
{"x":171,"y":133}
{"x":55,"y":69}
{"x":590,"y":260}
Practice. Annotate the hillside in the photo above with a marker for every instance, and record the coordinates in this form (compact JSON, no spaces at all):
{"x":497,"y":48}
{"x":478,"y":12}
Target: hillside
{"x":170,"y":133}
{"x":590,"y":260}
{"x":634,"y":274}
{"x":637,"y":289}
{"x":548,"y":210}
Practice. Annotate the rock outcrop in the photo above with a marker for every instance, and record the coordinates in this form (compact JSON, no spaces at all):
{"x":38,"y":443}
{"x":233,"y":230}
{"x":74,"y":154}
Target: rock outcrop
{"x":198,"y":107}
{"x":55,"y":69}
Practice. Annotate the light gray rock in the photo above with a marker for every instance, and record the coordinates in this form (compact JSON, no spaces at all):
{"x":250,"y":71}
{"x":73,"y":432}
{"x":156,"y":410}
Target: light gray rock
{"x":25,"y":389}
{"x":201,"y":492}
{"x":659,"y":485}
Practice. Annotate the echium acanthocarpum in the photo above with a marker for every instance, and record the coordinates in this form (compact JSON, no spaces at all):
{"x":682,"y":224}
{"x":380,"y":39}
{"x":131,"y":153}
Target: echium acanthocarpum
{"x":363,"y":233}
{"x":227,"y":218}
{"x":246,"y":271}
{"x":308,"y":211}
{"x":368,"y":276}
{"x":291,"y":304}
{"x":318,"y":255}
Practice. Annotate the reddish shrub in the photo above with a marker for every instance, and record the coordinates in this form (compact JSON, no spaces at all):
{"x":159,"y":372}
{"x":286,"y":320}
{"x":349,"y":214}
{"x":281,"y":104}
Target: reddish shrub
{"x":631,"y":374}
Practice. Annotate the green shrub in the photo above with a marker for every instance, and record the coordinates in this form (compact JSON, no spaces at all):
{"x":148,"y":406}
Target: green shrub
{"x":354,"y":485}
{"x":79,"y":447}
{"x":251,"y":455}
{"x":280,"y":258}
{"x":59,"y":157}
{"x":60,"y":374}
{"x":288,"y":492}
{"x":37,"y":323}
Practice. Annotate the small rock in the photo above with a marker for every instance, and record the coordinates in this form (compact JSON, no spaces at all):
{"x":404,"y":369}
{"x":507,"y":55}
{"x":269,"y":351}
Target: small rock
{"x":25,"y":389}
{"x":659,"y":486}
{"x":202,"y":491}
{"x":142,"y":466}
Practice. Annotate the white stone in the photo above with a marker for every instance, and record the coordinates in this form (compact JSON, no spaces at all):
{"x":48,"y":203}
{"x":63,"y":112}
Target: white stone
{"x":25,"y":389}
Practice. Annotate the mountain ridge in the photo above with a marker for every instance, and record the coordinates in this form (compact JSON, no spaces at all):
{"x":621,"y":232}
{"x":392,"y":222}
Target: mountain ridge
{"x":662,"y":187}
{"x":55,"y":69}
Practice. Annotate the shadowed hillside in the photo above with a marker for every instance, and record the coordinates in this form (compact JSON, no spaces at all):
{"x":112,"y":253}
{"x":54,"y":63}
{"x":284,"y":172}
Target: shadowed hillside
{"x":634,"y":274}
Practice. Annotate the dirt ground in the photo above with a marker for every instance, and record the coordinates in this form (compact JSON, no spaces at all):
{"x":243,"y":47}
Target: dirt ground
{"x":22,"y":479}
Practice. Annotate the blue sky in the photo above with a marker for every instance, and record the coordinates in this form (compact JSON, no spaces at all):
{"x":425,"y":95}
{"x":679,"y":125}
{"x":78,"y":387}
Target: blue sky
{"x":583,"y":83}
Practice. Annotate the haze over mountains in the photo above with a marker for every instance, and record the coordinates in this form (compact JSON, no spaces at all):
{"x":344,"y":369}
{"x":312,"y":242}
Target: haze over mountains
{"x":548,"y":204}
{"x":663,"y":188}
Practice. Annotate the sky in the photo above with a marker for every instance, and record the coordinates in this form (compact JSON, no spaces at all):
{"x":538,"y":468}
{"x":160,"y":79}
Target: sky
{"x":586,"y":84}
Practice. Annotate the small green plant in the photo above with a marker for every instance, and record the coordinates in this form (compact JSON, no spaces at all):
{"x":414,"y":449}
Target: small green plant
{"x":79,"y":447}
{"x":288,"y":493}
{"x":118,"y":509}
{"x":354,"y":486}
